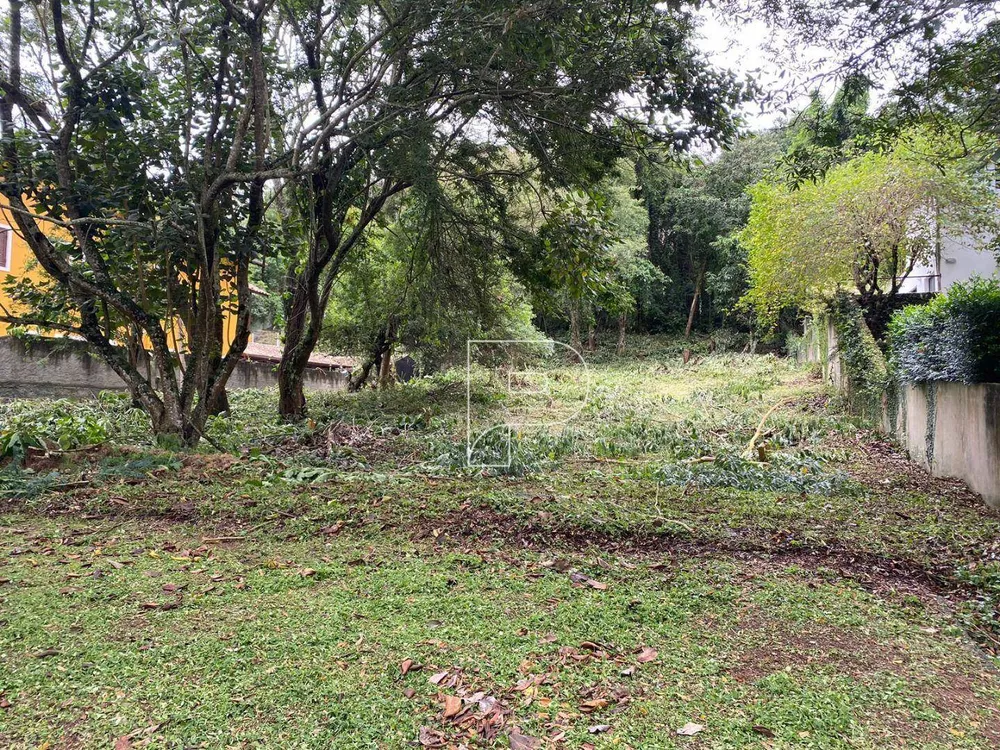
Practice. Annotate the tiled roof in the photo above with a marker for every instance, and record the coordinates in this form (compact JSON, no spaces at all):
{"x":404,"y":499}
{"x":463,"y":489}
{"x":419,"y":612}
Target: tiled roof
{"x":269,"y":353}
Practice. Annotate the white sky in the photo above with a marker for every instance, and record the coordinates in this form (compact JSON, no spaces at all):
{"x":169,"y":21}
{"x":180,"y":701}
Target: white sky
{"x":742,"y":48}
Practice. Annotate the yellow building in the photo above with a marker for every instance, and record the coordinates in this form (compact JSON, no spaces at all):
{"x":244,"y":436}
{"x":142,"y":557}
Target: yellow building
{"x":17,"y":260}
{"x":14,"y":259}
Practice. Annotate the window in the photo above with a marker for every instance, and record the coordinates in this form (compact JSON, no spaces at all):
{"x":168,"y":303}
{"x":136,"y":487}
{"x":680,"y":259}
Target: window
{"x":6,"y":242}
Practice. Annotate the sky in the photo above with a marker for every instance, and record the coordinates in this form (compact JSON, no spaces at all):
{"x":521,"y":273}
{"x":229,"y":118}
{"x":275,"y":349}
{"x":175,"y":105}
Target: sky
{"x":742,"y":48}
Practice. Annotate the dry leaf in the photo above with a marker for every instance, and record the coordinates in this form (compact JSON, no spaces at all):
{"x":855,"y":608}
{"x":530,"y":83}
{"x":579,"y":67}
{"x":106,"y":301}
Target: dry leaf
{"x":690,"y":729}
{"x":646,"y":655}
{"x":760,"y":729}
{"x":520,"y":741}
{"x":409,"y":692}
{"x":593,"y":705}
{"x":406,"y":666}
{"x":599,"y":728}
{"x":123,"y":743}
{"x":582,"y":580}
{"x":307,"y":572}
{"x":435,"y":679}
{"x":452,"y":705}
{"x":430,"y":737}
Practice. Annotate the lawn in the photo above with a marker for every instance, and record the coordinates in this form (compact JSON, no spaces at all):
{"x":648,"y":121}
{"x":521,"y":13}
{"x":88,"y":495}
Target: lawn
{"x":636,"y":578}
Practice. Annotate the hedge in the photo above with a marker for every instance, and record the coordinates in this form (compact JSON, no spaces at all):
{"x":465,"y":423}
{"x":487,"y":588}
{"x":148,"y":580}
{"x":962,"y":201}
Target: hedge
{"x":954,"y":337}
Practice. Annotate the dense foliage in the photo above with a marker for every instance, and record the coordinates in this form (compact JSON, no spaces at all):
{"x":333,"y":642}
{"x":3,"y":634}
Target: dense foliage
{"x":954,"y":337}
{"x":864,"y":366}
{"x":864,"y":226}
{"x":154,"y":153}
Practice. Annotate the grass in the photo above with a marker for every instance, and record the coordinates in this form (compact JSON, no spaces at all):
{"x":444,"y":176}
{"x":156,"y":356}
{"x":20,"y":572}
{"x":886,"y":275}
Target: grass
{"x":611,"y":588}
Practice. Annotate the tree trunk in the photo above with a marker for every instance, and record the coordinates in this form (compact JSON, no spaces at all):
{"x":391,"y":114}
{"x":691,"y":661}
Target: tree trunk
{"x":291,"y":397}
{"x":574,"y":327}
{"x":385,"y":369}
{"x":622,"y":327}
{"x":592,"y":338}
{"x":694,"y":303}
{"x":356,"y":384}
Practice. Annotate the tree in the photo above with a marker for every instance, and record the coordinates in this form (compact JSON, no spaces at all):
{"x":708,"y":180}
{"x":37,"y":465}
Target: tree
{"x":134,"y":141}
{"x":694,"y":207}
{"x":428,"y":278}
{"x":865,"y":226}
{"x":392,"y":95}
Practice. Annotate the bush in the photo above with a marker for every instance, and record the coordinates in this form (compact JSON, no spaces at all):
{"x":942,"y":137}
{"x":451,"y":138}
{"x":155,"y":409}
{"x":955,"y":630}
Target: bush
{"x":956,"y":336}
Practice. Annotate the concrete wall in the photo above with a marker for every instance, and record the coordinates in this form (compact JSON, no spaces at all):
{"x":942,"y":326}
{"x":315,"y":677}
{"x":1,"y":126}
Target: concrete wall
{"x":40,"y":368}
{"x":951,"y":429}
{"x":67,"y":369}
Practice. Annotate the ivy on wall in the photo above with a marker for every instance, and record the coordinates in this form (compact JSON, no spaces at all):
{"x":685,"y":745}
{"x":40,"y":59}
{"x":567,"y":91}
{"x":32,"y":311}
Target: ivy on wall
{"x":863,"y":364}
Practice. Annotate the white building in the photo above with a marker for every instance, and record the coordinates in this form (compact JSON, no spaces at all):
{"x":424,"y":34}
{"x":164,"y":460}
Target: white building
{"x":956,"y":259}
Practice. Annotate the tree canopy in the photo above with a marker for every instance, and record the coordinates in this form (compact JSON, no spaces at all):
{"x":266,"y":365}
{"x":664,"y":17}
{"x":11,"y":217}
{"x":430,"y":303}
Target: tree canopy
{"x":863,"y":226}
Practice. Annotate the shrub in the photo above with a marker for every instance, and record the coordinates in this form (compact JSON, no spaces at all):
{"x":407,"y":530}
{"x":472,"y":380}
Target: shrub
{"x":954,"y":337}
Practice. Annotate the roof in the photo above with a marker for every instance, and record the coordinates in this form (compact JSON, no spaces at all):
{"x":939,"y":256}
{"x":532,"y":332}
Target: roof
{"x":270,"y":353}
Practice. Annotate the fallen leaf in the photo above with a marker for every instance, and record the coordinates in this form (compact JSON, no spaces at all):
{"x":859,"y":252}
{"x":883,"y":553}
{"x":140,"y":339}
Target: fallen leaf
{"x":123,"y":743}
{"x":409,"y":692}
{"x":4,"y":703}
{"x":590,"y":706}
{"x":430,"y":737}
{"x":582,"y":580}
{"x":435,"y":679}
{"x":307,"y":572}
{"x":406,"y":666}
{"x":690,"y":729}
{"x":760,"y":729}
{"x":452,"y":705}
{"x":520,"y":741}
{"x":599,"y":728}
{"x":646,"y":655}
{"x":45,"y":652}
{"x":628,"y":671}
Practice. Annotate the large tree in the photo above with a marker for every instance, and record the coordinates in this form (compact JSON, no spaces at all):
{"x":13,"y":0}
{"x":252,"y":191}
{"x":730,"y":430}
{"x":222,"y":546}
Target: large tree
{"x":146,"y":145}
{"x":133,"y":147}
{"x":392,"y":95}
{"x":864,"y":226}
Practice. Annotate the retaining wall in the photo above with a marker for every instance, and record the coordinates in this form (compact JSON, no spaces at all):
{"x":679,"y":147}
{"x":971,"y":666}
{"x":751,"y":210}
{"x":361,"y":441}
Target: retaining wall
{"x":951,"y":429}
{"x":67,"y":369}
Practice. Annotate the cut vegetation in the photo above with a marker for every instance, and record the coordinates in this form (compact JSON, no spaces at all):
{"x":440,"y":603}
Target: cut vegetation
{"x":666,"y":571}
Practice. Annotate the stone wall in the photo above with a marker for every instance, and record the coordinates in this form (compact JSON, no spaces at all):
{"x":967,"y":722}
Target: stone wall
{"x":67,"y":369}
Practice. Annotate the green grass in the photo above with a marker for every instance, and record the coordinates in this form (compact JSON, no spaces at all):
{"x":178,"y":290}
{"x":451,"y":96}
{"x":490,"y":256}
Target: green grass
{"x":269,"y":598}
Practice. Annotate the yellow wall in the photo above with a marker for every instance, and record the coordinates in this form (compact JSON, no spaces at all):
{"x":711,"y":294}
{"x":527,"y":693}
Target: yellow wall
{"x":21,"y":257}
